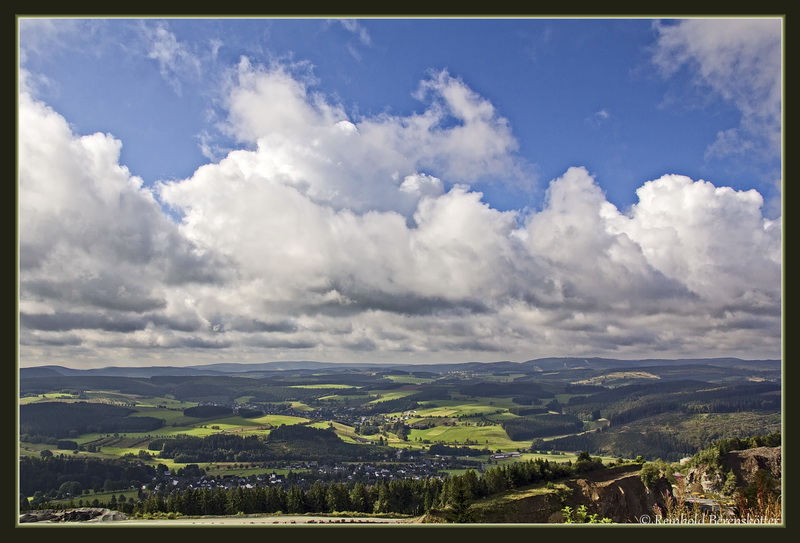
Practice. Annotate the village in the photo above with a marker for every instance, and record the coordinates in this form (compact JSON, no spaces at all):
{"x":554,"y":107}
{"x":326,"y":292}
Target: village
{"x":304,"y":474}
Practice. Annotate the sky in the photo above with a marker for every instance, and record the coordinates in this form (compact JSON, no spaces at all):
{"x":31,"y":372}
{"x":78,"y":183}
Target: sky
{"x":388,"y":190}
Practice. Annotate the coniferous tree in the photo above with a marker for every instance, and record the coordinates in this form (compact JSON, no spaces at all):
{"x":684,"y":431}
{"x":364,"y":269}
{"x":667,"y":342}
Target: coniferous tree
{"x":295,"y":500}
{"x":360,"y":499}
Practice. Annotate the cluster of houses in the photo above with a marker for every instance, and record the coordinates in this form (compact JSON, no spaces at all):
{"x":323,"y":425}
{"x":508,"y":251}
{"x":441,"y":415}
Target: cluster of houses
{"x":306,"y":474}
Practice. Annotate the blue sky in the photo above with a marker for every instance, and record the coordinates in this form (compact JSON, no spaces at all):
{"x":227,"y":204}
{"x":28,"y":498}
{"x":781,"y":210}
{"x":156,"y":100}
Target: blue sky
{"x":402,"y":190}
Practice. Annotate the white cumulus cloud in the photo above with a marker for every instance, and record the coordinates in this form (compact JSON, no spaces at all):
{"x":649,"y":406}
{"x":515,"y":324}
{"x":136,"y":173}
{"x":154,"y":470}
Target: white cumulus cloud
{"x":339,"y":238}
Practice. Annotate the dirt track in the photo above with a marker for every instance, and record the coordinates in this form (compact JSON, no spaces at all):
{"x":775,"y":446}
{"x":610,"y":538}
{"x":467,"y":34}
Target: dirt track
{"x":262,"y":521}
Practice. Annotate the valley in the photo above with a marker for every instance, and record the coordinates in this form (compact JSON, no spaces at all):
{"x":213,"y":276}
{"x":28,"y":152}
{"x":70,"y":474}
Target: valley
{"x":294,"y":426}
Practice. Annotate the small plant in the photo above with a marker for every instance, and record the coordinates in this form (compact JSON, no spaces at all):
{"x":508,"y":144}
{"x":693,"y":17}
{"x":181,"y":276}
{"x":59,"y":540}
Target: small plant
{"x":582,"y":516}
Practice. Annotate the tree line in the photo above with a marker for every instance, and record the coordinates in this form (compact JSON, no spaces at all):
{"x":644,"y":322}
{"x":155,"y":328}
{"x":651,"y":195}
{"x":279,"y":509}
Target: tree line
{"x":62,"y":419}
{"x":400,"y":496}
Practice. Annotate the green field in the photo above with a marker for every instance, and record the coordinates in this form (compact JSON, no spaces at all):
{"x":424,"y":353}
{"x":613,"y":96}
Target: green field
{"x":456,"y":471}
{"x":33,"y":449}
{"x":499,"y":417}
{"x":492,"y":437}
{"x":120,"y":451}
{"x":524,"y":457}
{"x":47,"y":397}
{"x":300,"y":406}
{"x":393,"y":395}
{"x":102,"y":497}
{"x":112,"y":397}
{"x":323,"y":424}
{"x":140,"y":403}
{"x":460,"y":408}
{"x":501,"y":378}
{"x":168,"y":415}
{"x":168,"y":403}
{"x":410,"y":380}
{"x":324,"y":386}
{"x":128,"y":400}
{"x":278,"y":420}
{"x":342,"y":397}
{"x":495,"y":403}
{"x":233,"y":424}
{"x":295,"y":405}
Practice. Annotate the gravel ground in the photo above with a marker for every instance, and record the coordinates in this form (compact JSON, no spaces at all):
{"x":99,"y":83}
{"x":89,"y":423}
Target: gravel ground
{"x":266,"y":521}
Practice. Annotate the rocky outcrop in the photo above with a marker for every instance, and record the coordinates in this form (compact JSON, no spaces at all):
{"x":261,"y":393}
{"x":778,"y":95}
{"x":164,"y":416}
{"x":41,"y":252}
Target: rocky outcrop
{"x":746,"y":463}
{"x":618,"y":494}
{"x":704,"y":480}
{"x":83,"y":514}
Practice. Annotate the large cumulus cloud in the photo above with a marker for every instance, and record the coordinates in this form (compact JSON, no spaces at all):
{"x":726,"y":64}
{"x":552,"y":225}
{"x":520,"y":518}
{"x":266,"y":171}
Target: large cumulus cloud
{"x":96,"y":251}
{"x":342,"y":238}
{"x":309,"y":143}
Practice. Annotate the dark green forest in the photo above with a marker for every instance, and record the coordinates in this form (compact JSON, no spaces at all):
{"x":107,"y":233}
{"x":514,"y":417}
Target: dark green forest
{"x":60,"y":420}
{"x":529,"y":427}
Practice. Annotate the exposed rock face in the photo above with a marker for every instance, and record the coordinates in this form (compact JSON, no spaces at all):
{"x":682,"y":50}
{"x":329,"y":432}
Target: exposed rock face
{"x":617,"y":494}
{"x":83,"y":514}
{"x":705,"y":481}
{"x":746,"y":463}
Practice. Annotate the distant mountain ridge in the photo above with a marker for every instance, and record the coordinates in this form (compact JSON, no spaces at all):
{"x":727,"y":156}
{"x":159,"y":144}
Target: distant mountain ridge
{"x":540,"y":364}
